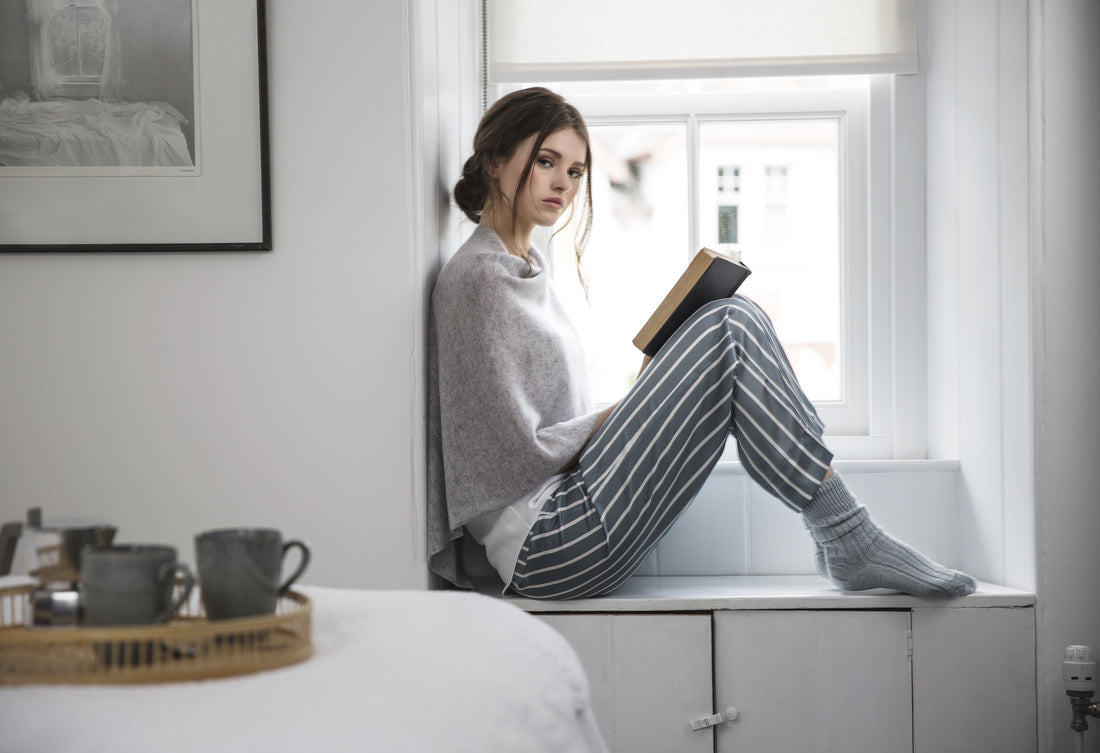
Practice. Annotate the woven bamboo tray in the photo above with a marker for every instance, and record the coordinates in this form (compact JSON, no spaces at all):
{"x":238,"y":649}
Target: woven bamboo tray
{"x":188,"y":648}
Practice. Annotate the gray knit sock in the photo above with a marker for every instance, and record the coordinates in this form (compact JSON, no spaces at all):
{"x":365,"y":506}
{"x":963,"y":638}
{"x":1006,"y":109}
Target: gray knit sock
{"x":819,"y":554}
{"x":860,"y":555}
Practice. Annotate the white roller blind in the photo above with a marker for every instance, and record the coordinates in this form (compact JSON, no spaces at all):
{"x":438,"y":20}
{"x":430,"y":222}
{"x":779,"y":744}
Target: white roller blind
{"x":628,"y":39}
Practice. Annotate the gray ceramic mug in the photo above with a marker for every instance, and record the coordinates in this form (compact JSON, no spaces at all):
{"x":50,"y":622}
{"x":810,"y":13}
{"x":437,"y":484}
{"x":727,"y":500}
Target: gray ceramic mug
{"x":131,"y":584}
{"x":239,"y":570}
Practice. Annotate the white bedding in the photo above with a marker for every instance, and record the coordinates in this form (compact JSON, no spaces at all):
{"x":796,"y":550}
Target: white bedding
{"x":90,"y":132}
{"x":392,"y":671}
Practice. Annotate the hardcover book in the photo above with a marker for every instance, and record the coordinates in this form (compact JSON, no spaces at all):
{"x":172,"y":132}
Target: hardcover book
{"x":710,"y":277}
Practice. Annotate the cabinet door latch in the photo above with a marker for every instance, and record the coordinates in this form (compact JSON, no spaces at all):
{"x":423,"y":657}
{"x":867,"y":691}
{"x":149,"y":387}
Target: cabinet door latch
{"x":709,"y":721}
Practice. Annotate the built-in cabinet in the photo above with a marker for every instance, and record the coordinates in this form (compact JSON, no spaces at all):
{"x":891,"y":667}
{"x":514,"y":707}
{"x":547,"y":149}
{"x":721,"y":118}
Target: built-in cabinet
{"x":650,"y":675}
{"x":813,"y":680}
{"x":769,"y":671}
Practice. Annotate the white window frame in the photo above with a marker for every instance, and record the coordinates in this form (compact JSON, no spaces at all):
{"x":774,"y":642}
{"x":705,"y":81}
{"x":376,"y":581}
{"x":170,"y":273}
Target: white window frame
{"x":77,"y":86}
{"x":876,"y":149}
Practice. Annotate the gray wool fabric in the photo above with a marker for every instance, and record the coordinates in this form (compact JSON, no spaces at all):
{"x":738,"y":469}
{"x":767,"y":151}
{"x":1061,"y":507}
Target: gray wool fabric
{"x":508,"y":400}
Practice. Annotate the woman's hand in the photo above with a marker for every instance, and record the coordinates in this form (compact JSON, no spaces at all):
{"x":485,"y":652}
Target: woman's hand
{"x":604,"y":415}
{"x":606,"y":412}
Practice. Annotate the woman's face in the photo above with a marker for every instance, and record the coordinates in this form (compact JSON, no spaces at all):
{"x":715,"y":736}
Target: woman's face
{"x":552,"y":185}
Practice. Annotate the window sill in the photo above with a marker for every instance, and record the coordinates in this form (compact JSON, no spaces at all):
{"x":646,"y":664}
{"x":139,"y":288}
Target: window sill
{"x":729,"y":592}
{"x":730,"y":464}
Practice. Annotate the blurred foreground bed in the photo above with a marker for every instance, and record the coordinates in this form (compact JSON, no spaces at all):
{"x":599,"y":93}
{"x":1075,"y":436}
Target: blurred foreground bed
{"x":393,"y":671}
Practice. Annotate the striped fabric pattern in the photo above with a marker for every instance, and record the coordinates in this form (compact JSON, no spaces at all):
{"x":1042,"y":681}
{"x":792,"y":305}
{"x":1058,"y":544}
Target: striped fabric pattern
{"x":724,"y":372}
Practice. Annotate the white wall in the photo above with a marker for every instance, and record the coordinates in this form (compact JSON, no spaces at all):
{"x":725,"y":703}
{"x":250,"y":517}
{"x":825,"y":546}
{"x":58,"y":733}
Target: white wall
{"x":977,"y":253}
{"x":1014,"y":319}
{"x":1066,"y":344}
{"x":175,"y":393}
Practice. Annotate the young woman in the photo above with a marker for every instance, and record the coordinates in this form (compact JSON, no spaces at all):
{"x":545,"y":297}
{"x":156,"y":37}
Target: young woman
{"x":566,"y":500}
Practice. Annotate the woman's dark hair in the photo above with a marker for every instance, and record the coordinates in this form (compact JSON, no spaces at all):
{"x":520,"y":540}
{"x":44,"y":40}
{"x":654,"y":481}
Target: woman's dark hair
{"x":512,"y":119}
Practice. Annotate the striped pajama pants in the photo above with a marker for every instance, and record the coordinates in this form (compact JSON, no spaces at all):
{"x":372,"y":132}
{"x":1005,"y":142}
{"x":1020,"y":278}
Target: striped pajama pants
{"x":723,"y":372}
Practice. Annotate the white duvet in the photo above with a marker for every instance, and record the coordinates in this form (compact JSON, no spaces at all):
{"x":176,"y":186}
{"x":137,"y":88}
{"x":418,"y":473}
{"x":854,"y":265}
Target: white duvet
{"x":392,"y":671}
{"x":90,"y":132}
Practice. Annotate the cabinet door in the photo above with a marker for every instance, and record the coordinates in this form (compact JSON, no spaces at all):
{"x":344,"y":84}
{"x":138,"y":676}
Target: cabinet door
{"x":814,"y":681}
{"x":650,"y":675}
{"x":973,"y":664}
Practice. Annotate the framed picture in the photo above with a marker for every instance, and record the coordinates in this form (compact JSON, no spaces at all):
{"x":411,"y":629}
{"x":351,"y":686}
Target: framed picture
{"x":133,"y":125}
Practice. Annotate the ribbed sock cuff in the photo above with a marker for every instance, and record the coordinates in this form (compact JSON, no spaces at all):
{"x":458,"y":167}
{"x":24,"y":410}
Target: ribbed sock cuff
{"x":832,"y":503}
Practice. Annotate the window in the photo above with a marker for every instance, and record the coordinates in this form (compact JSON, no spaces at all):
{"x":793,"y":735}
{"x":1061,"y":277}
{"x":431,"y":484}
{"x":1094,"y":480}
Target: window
{"x":815,"y":177}
{"x":77,"y":36}
{"x":727,"y":224}
{"x":729,"y":184}
{"x":775,"y":178}
{"x":69,"y":56}
{"x":776,"y":169}
{"x":729,"y":179}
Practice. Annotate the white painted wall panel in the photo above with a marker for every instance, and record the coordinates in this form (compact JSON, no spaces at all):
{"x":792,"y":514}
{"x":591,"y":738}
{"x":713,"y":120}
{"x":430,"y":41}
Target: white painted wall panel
{"x":978,"y":252}
{"x":736,"y":528}
{"x":942,"y":217}
{"x":1016,"y":311}
{"x":977,"y":119}
{"x":1065,"y":338}
{"x":712,"y":536}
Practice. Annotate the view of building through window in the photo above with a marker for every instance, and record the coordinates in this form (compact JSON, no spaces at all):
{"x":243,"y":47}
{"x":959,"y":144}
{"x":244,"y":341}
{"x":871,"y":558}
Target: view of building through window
{"x":766,"y":188}
{"x":784,"y":221}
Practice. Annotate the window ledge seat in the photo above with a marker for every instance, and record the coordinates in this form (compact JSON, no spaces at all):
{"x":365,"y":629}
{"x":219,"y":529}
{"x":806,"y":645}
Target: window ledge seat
{"x":727,"y":592}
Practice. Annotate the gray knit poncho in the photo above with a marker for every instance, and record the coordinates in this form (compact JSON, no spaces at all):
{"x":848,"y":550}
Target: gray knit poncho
{"x":508,"y":398}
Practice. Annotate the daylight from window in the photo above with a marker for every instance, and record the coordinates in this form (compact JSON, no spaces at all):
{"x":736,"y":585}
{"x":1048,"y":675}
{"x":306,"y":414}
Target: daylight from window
{"x":77,"y":43}
{"x":780,"y":211}
{"x":766,"y":188}
{"x":637,"y":248}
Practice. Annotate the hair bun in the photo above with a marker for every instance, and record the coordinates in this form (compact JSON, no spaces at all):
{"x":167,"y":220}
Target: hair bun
{"x":472,"y":189}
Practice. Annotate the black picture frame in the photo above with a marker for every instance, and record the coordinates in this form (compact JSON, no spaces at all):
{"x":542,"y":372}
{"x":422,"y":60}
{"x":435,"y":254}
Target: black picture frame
{"x":220,"y":203}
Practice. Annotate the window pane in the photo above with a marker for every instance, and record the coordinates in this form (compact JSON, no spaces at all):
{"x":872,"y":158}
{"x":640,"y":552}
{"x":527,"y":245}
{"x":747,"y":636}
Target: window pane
{"x":63,"y":36}
{"x":93,"y":44}
{"x":727,"y":224}
{"x":638,"y":247}
{"x":78,"y":41}
{"x":784,"y":220}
